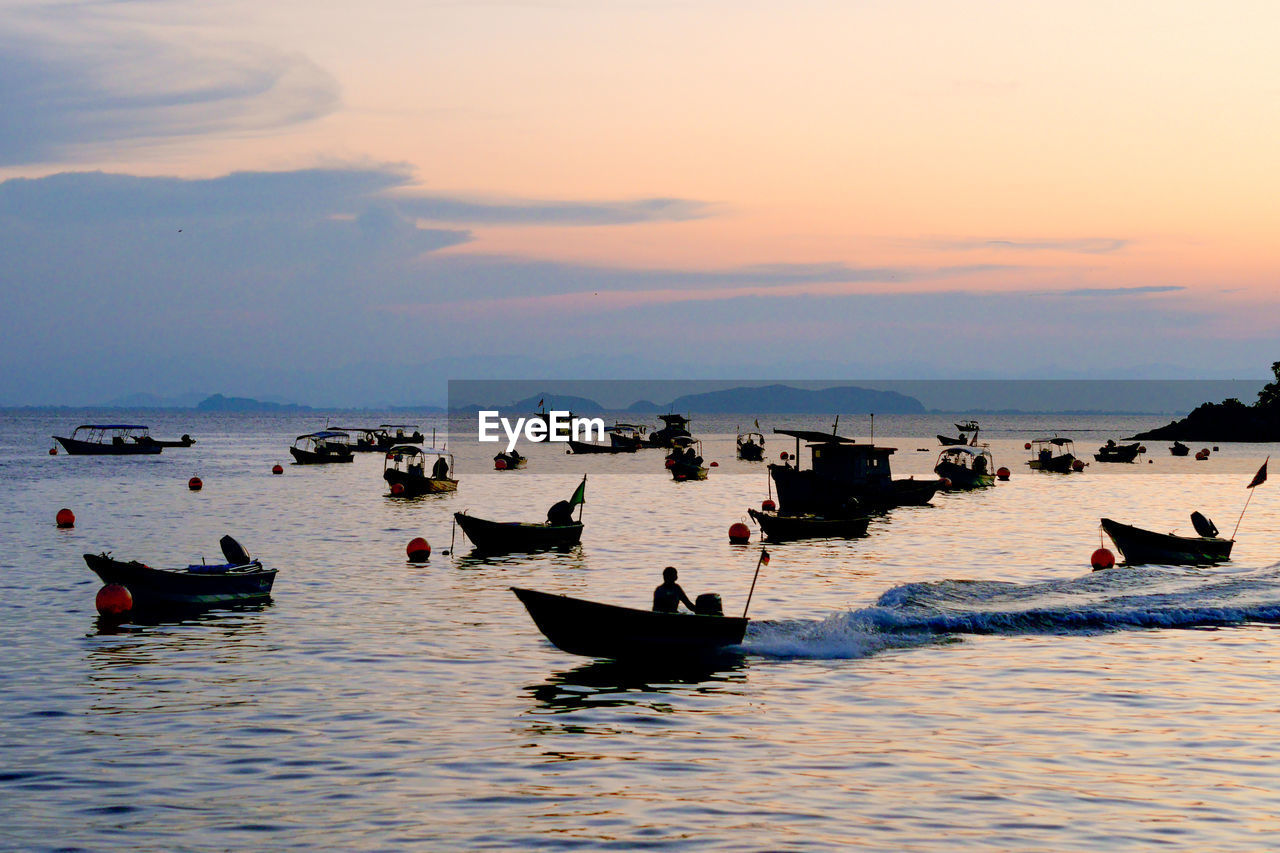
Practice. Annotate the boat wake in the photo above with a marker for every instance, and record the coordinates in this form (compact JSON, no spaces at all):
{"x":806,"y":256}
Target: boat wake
{"x":919,"y":614}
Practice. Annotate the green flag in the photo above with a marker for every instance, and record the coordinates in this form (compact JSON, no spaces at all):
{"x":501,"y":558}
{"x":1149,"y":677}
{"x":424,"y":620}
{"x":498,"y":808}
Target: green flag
{"x":580,"y":495}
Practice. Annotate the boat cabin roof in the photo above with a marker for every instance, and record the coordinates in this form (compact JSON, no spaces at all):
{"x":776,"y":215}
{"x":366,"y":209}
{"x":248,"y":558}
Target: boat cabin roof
{"x":684,"y":441}
{"x":671,"y":419}
{"x":1056,"y":440}
{"x":750,"y":434}
{"x":398,"y":426}
{"x":814,"y":437}
{"x":324,"y":433}
{"x":407,"y":450}
{"x":964,"y":448}
{"x":112,"y":426}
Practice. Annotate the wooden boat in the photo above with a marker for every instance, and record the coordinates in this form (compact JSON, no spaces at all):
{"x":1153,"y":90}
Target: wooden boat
{"x":185,"y":441}
{"x":586,"y":447}
{"x":685,"y":460}
{"x":750,"y":446}
{"x":781,"y":527}
{"x":406,"y":466}
{"x":381,"y":438}
{"x":967,"y":426}
{"x":1055,"y":454}
{"x":1112,"y":452}
{"x":966,"y":467}
{"x":320,"y":448}
{"x":109,"y":440}
{"x":512,"y":461}
{"x":501,"y":537}
{"x":627,"y":435}
{"x":588,"y":628}
{"x":673,"y":427}
{"x":1139,"y":547}
{"x":1179,"y":449}
{"x":240,"y":580}
{"x":841,"y":469}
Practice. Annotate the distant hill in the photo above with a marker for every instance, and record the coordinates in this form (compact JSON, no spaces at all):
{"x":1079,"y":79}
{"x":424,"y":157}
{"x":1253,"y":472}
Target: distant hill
{"x":219,"y":403}
{"x":643,"y":407}
{"x":560,"y":402}
{"x":1230,"y":420}
{"x":783,"y":399}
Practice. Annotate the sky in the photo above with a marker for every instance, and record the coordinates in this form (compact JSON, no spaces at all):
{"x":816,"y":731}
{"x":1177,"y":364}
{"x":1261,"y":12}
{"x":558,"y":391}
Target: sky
{"x":343,"y":204}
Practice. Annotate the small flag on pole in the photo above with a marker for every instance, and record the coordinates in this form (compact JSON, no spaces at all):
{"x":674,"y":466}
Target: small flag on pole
{"x":579,"y":495}
{"x":757,"y":423}
{"x":540,"y":402}
{"x":1260,"y":477}
{"x":764,"y":558}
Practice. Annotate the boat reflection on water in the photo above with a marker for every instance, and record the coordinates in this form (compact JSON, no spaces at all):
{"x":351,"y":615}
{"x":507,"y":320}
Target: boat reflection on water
{"x":142,"y":620}
{"x":612,"y":684}
{"x":565,"y":557}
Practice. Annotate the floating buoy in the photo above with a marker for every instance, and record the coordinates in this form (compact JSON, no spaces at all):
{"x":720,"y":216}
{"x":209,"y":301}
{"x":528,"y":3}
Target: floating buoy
{"x":1205,"y":451}
{"x":113,"y":599}
{"x":1026,"y":446}
{"x":670,"y":463}
{"x":1077,"y":465}
{"x":1215,"y":448}
{"x":1142,"y":448}
{"x":714,"y":465}
{"x":500,"y":464}
{"x":944,"y":483}
{"x":1002,"y":473}
{"x":739,"y":533}
{"x":65,"y":518}
{"x":1102,"y":559}
{"x":397,"y":488}
{"x":784,"y":456}
{"x":419,"y":550}
{"x":195,"y":484}
{"x":277,"y":469}
{"x":768,"y":506}
{"x":53,"y":451}
{"x":1202,"y":455}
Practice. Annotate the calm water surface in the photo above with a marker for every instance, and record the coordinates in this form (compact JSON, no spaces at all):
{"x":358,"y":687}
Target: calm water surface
{"x":957,"y":679}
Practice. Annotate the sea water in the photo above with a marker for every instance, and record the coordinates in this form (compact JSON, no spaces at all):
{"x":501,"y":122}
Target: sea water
{"x":959,"y":678}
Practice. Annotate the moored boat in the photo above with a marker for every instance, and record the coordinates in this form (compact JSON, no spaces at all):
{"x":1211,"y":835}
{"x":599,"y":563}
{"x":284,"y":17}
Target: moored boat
{"x":842,"y":469}
{"x":673,"y":427}
{"x":966,"y":467}
{"x":240,"y":580}
{"x":967,"y":426}
{"x":502,"y":537}
{"x":592,"y":629}
{"x":111,"y":440}
{"x":782,"y":527}
{"x":750,"y":446}
{"x":587,"y":447}
{"x":685,"y":460}
{"x":405,"y":470}
{"x":627,"y":435}
{"x":513,"y":460}
{"x":1179,"y":449}
{"x":1055,"y":454}
{"x":321,"y":448}
{"x":1141,"y":547}
{"x":1112,"y":452}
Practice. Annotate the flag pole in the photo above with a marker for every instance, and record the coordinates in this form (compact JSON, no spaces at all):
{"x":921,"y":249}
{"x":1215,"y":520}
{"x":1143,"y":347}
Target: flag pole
{"x":584,"y":497}
{"x":759,"y":562}
{"x":1252,"y":486}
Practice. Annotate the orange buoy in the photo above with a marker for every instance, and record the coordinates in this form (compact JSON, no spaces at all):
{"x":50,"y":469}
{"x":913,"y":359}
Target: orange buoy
{"x":1002,"y":473}
{"x":1142,"y":448}
{"x":944,"y":483}
{"x":1026,"y":446}
{"x":1077,"y":465}
{"x":714,"y":465}
{"x":195,"y":484}
{"x":419,"y":550}
{"x":113,"y":599}
{"x":397,"y":488}
{"x":1102,"y":559}
{"x":500,"y":464}
{"x":277,"y":469}
{"x":768,"y":506}
{"x":65,"y":518}
{"x":784,"y":456}
{"x":53,"y":451}
{"x":739,"y":533}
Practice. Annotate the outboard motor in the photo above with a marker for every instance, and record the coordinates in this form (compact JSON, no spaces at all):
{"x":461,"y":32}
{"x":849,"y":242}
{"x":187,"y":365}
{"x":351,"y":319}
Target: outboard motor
{"x":708,"y":604}
{"x":1203,"y":526}
{"x":234,"y":552}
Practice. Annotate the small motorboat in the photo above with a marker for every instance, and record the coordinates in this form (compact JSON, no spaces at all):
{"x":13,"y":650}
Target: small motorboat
{"x":673,"y":427}
{"x":685,"y":460}
{"x":110,"y":440}
{"x":966,"y":467}
{"x":1140,"y":547}
{"x":842,"y":468}
{"x":967,"y":426}
{"x":241,"y":579}
{"x":1112,"y":452}
{"x":750,"y":446}
{"x":405,"y":469}
{"x":782,"y":527}
{"x":504,"y":537}
{"x":627,"y":435}
{"x":185,"y":441}
{"x":587,"y":447}
{"x":1055,"y":454}
{"x":512,"y":461}
{"x":321,"y":448}
{"x":588,"y":628}
{"x":1179,"y":449}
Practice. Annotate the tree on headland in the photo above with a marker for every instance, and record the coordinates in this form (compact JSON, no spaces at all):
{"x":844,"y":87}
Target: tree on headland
{"x":1269,"y":396}
{"x":1230,"y":420}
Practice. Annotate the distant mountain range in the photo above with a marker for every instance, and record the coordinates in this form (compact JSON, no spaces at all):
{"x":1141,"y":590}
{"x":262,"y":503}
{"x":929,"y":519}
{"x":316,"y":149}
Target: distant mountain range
{"x":761,"y":400}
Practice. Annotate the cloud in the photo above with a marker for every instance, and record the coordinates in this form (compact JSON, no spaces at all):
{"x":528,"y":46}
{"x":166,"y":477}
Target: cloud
{"x":73,"y":84}
{"x":478,"y":212}
{"x":1120,"y":291}
{"x":1083,"y":246}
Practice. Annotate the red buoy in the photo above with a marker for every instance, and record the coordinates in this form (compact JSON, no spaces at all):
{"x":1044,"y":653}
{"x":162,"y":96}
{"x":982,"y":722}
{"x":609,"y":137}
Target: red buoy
{"x":418,"y":550}
{"x":195,"y":484}
{"x":65,"y":518}
{"x":670,"y":463}
{"x":784,"y":456}
{"x":113,"y":599}
{"x":768,"y":506}
{"x":1102,"y":559}
{"x":53,"y":451}
{"x":1142,"y":448}
{"x":714,"y":465}
{"x":277,"y":469}
{"x":397,"y":488}
{"x":1002,"y":473}
{"x":739,"y":533}
{"x":944,"y":483}
{"x":1026,"y":446}
{"x":1077,"y":465}
{"x":500,"y":464}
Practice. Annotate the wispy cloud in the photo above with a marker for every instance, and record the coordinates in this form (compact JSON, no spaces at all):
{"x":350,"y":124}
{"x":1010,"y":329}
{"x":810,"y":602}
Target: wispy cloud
{"x":1082,"y":245}
{"x":434,"y":208}
{"x":1119,"y":291}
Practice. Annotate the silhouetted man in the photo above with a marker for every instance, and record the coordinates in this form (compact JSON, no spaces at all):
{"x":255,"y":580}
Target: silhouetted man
{"x":668,"y":597}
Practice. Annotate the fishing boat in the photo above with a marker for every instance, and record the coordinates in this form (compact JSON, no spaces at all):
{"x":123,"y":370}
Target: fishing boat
{"x":673,"y":427}
{"x":110,"y":440}
{"x":967,"y":426}
{"x":323,"y":447}
{"x":1112,"y":452}
{"x":241,"y":579}
{"x":685,"y":460}
{"x":185,"y":441}
{"x":966,"y":467}
{"x":1055,"y":454}
{"x":406,"y":466}
{"x":1140,"y":547}
{"x":587,"y":447}
{"x":503,"y":537}
{"x":627,"y":435}
{"x":591,"y":629}
{"x":511,"y":460}
{"x":383,"y":437}
{"x":750,"y":446}
{"x":1179,"y":449}
{"x":841,"y":469}
{"x":808,"y":526}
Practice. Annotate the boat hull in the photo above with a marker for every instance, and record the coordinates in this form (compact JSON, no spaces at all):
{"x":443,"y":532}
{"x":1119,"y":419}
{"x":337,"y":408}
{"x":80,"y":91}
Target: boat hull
{"x":805,"y":492}
{"x":504,"y":537}
{"x":585,"y":447}
{"x":784,"y":527}
{"x":75,"y":447}
{"x":161,"y":588}
{"x":1141,"y":547}
{"x":417,"y":485}
{"x":597,"y":630}
{"x":1057,"y":465}
{"x":1118,"y":453}
{"x":1179,"y":449}
{"x":308,"y":457}
{"x":964,"y":478}
{"x":750,"y":452}
{"x":681,"y":472}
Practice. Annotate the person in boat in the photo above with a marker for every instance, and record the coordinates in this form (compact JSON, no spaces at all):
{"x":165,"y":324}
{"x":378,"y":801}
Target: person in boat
{"x":668,"y":597}
{"x":440,"y":471}
{"x":979,"y":464}
{"x":560,"y":514}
